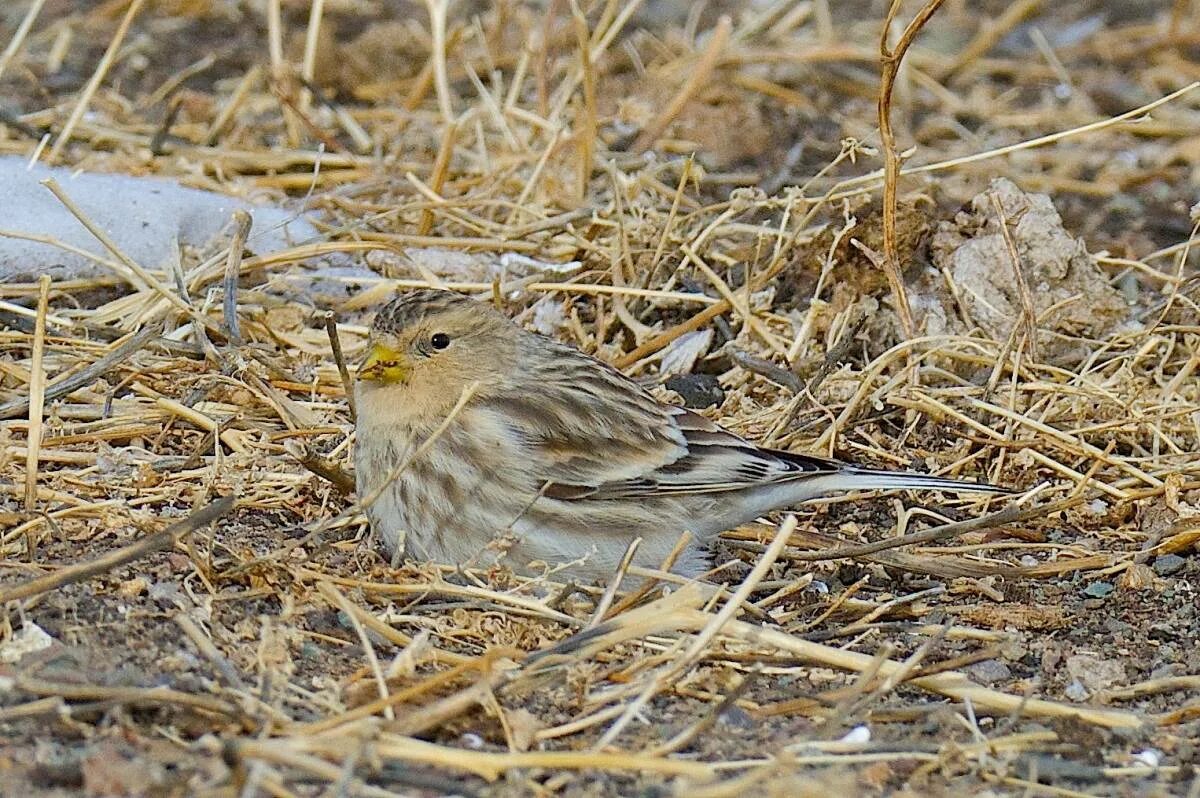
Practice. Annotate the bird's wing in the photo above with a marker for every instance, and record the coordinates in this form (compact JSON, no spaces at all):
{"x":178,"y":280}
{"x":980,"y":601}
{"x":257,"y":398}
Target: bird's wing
{"x":716,"y":460}
{"x":587,"y":431}
{"x":579,"y":424}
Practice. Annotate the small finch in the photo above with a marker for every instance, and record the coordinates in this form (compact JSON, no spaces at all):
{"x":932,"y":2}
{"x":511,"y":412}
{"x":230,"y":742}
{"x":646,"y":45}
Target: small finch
{"x":478,"y":441}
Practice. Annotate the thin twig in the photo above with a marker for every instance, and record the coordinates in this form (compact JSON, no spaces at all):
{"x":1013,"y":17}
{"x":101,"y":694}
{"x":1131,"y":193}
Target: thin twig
{"x":334,"y":597}
{"x":205,"y":646}
{"x":87,"y":375}
{"x":37,"y":394}
{"x":18,"y":38}
{"x":614,"y":584}
{"x":890,"y":60}
{"x":85,"y":96}
{"x":323,"y":467}
{"x":765,"y":368}
{"x":335,"y":344}
{"x":437,"y":26}
{"x":158,"y":541}
{"x":1028,"y":311}
{"x":697,"y":78}
{"x":233,"y":266}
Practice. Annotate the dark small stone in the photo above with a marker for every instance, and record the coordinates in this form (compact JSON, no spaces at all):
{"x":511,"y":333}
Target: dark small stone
{"x":56,"y":767}
{"x":738,"y":718}
{"x":1098,"y":589}
{"x":1168,"y":564}
{"x":1117,"y":627}
{"x":989,"y":671}
{"x":1162,"y":631}
{"x":698,"y":390}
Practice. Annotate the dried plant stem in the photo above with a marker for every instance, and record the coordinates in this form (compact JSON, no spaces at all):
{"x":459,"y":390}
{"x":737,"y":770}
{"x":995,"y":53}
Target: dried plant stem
{"x":437,"y":177}
{"x":136,"y":275}
{"x":312,"y":38}
{"x":232,"y":105}
{"x":949,"y":683}
{"x":139,"y":696}
{"x":323,"y":467}
{"x":614,"y":584}
{"x":18,"y":38}
{"x":1028,"y":311}
{"x":37,"y":394}
{"x":233,"y":266}
{"x":890,"y":60}
{"x":205,"y":646}
{"x":1008,"y":515}
{"x":710,"y":630}
{"x":158,"y":541}
{"x":335,"y":345}
{"x":366,"y":501}
{"x":990,"y":35}
{"x":85,"y":96}
{"x":586,"y":135}
{"x":854,"y":185}
{"x":486,"y":764}
{"x":334,"y":597}
{"x":437,"y":28}
{"x":280,"y":72}
{"x":697,"y":77}
{"x":664,"y":338}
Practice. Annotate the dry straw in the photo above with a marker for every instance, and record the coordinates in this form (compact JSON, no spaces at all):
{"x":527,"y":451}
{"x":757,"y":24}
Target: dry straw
{"x":146,"y":393}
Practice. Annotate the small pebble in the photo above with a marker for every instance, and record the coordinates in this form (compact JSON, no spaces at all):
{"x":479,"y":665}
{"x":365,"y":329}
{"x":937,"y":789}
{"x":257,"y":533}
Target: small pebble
{"x":166,"y":592}
{"x":698,"y":390}
{"x":1096,"y":671}
{"x":1098,"y":589}
{"x":1117,"y":627}
{"x":29,"y":639}
{"x":737,"y":717}
{"x":989,"y":671}
{"x":1165,"y":671}
{"x":860,"y":735}
{"x":1150,"y":757}
{"x":471,"y":740}
{"x":1168,"y":564}
{"x":1076,"y":691}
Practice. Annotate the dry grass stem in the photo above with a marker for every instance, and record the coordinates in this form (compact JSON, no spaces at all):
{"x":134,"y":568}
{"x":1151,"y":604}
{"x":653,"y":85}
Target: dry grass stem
{"x":787,"y":218}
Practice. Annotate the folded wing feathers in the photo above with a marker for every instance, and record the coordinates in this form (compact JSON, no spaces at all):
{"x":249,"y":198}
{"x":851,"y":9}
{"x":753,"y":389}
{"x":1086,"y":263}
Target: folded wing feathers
{"x":590,"y":427}
{"x":577,"y":451}
{"x":715,"y":460}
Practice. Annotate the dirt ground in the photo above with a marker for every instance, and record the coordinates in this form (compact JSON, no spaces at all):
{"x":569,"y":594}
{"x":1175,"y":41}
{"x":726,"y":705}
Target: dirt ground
{"x":1054,"y":348}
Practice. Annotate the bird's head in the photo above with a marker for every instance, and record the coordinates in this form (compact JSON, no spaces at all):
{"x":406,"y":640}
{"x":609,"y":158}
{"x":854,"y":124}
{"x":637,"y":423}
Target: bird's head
{"x":428,"y":346}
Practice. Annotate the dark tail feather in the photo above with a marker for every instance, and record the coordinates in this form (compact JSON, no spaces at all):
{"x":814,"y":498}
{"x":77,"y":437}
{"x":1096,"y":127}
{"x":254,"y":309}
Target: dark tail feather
{"x":871,"y":479}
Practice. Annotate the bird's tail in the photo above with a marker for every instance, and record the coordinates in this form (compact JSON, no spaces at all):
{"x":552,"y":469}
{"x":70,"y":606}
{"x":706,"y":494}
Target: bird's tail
{"x":856,"y":478}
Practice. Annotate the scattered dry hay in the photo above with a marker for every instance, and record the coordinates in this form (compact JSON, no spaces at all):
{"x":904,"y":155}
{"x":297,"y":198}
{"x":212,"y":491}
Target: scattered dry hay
{"x":537,"y":162}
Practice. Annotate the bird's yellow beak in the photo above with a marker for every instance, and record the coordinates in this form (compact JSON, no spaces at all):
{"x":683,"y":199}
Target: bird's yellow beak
{"x":383,"y":365}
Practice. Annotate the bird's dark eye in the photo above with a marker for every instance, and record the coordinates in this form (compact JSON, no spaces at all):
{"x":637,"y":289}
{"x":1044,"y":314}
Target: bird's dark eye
{"x":440,"y":341}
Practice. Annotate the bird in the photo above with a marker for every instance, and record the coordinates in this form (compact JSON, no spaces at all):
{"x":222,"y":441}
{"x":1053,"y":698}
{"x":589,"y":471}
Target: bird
{"x":479,"y":443}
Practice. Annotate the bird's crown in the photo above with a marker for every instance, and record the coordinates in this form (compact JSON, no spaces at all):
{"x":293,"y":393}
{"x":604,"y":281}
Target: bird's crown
{"x":413,"y":306}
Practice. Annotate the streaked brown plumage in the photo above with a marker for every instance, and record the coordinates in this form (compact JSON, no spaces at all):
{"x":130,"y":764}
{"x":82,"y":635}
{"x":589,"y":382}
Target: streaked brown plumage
{"x":553,"y":456}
